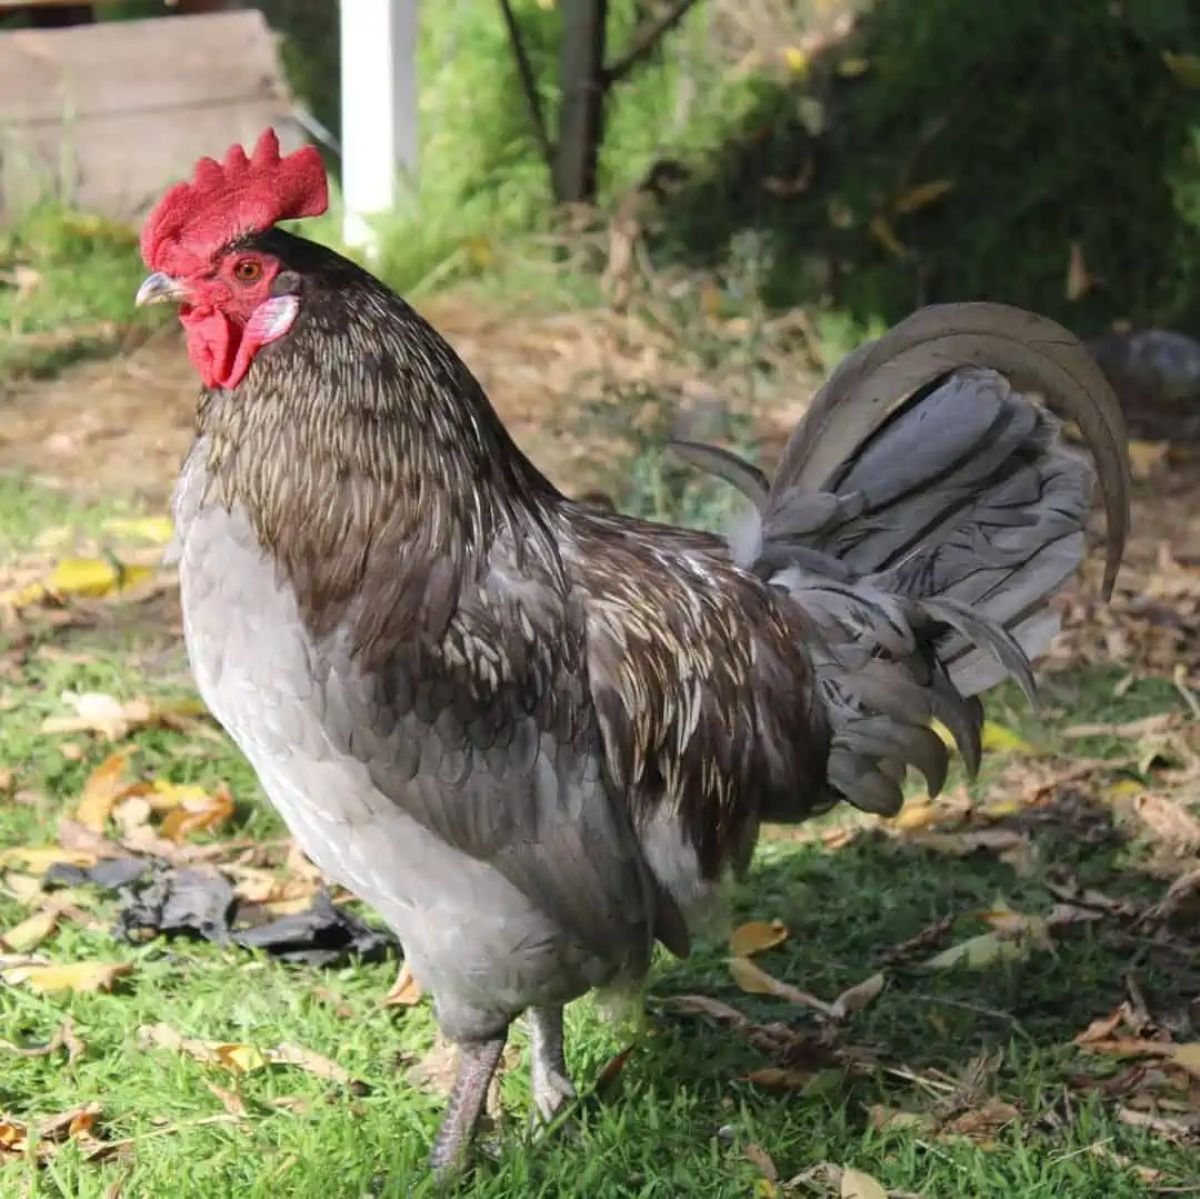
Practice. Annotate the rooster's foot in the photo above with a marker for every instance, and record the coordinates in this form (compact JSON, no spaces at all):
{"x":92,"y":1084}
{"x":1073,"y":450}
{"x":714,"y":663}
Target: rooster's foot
{"x":477,"y":1062}
{"x":552,"y":1088}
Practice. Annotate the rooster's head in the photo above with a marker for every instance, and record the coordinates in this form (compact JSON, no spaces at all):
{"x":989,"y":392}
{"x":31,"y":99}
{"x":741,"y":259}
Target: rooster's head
{"x":200,"y":243}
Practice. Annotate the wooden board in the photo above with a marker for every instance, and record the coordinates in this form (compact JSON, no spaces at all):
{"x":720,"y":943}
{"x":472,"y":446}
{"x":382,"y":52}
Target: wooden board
{"x":104,"y":116}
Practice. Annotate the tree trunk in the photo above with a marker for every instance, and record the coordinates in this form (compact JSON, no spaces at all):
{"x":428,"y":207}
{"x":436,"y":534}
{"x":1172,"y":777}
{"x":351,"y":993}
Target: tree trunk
{"x":581,"y":116}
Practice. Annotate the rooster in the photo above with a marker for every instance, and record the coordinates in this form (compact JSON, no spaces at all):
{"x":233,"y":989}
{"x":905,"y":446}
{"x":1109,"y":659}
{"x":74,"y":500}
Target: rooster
{"x":534,"y":735}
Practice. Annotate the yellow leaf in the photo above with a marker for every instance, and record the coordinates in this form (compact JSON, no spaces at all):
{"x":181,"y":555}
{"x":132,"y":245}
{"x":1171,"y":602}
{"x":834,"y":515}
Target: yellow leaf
{"x":196,"y":814}
{"x":94,"y":577}
{"x":166,"y":796}
{"x":101,"y":791}
{"x":977,"y":952}
{"x":1124,"y":789}
{"x":885,"y":235}
{"x":757,"y":936}
{"x":755,"y":981}
{"x":1185,"y":67}
{"x":405,"y":992}
{"x":31,"y":931}
{"x":857,"y":1185}
{"x":921,"y":196}
{"x":943,"y":732}
{"x":1079,"y":278}
{"x":915,"y":815}
{"x":25,"y":887}
{"x":1147,"y":458}
{"x":797,"y":59}
{"x":851,"y":68}
{"x":997,"y":737}
{"x":155,"y":529}
{"x":765,"y":1188}
{"x":41,"y":857}
{"x":23,"y":597}
{"x":75,"y":976}
{"x":1187,"y":1055}
{"x":241,"y":1059}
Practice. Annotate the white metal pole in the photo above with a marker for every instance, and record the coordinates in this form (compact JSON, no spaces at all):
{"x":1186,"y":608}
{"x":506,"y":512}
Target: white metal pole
{"x":379,"y":108}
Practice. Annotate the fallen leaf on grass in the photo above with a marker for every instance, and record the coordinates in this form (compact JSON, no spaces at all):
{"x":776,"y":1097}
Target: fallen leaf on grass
{"x":1181,"y":1129}
{"x":114,"y":719}
{"x":32,"y":931}
{"x":858,"y":1185}
{"x":1169,"y":821}
{"x":42,"y":857}
{"x":761,"y":1159}
{"x":240,"y":1058}
{"x":64,"y":1036}
{"x":921,"y":196}
{"x":861,"y":995}
{"x":998,"y":738}
{"x":887,"y":1119}
{"x":231,"y":1101}
{"x":757,"y":936}
{"x":406,"y":991}
{"x":74,"y":976}
{"x":103,"y":788}
{"x":198,"y":811}
{"x":982,"y":1123}
{"x":756,"y":981}
{"x":780,"y":1078}
{"x":94,"y":577}
{"x":978,"y":952}
{"x":156,"y":529}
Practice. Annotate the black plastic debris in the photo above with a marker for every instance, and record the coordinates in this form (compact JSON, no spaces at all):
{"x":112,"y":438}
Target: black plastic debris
{"x":157,"y":898}
{"x":321,"y":935}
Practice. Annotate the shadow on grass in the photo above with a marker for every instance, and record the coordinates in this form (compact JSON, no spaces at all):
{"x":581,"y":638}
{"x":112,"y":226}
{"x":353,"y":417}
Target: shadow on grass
{"x":1049,"y":125}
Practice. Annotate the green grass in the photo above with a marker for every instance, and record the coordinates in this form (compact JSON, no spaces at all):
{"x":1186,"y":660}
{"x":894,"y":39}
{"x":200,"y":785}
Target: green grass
{"x":677,"y":1118}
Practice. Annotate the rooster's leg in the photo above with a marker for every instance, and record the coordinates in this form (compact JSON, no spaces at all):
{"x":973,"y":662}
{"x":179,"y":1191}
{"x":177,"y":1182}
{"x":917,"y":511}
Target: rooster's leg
{"x":476,"y":1064}
{"x":551,"y":1084}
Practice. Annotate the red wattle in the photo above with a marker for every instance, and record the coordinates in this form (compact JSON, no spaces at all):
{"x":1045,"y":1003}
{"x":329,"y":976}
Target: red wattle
{"x":212,"y":342}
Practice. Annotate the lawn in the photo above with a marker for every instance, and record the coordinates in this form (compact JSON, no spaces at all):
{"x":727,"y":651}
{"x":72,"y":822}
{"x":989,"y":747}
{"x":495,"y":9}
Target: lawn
{"x":972,"y":940}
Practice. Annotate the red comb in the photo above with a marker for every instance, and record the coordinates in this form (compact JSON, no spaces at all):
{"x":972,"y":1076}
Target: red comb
{"x":228,"y":200}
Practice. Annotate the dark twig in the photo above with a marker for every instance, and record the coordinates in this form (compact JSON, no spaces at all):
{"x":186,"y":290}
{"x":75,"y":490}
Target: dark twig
{"x":528,"y":83}
{"x":644,"y":41}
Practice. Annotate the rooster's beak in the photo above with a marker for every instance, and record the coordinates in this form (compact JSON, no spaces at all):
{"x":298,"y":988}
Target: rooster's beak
{"x":159,"y":289}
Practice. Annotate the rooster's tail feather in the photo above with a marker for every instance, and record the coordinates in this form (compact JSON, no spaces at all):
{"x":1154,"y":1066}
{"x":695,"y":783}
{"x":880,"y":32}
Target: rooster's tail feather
{"x":925,"y":510}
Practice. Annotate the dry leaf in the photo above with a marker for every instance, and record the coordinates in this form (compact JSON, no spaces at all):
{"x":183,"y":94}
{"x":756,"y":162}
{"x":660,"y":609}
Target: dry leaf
{"x":983,"y":1122}
{"x":976,"y":953}
{"x":231,"y":1101}
{"x":101,"y":791}
{"x":761,"y":1159}
{"x":780,"y":1078}
{"x":198,"y":812}
{"x":757,"y":936}
{"x":921,"y":196}
{"x":1185,"y":67}
{"x":884,"y":1119}
{"x":42,"y":857}
{"x":1168,"y":821}
{"x":1147,"y":458}
{"x":406,"y":991}
{"x":861,"y":995}
{"x":1100,"y":1029}
{"x":32,"y":931}
{"x":882,"y":231}
{"x":74,"y":976}
{"x":1187,"y":1056}
{"x":756,"y":981}
{"x":857,"y":1185}
{"x":1079,"y":280}
{"x":287,"y":1054}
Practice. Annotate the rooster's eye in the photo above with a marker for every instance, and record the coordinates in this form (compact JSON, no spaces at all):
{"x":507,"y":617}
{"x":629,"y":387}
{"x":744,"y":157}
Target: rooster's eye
{"x":247,"y":271}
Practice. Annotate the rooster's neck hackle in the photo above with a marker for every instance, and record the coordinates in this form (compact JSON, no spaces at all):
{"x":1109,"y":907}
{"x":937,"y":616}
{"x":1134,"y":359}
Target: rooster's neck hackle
{"x":361,"y":445}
